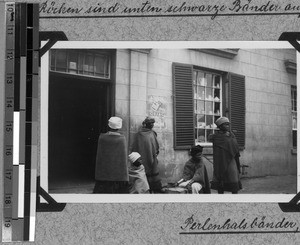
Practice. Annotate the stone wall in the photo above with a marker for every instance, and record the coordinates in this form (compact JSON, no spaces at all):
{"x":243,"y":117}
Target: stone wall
{"x":144,"y":81}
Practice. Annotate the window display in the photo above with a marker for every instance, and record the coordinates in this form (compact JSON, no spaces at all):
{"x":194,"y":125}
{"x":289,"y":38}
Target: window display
{"x":207,"y":103}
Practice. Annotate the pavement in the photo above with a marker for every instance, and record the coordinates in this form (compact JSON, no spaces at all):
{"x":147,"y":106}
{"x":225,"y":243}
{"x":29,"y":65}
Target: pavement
{"x":286,"y":184}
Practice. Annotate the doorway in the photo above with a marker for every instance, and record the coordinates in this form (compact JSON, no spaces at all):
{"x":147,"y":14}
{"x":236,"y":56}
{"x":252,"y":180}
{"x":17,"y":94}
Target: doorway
{"x":79,"y":108}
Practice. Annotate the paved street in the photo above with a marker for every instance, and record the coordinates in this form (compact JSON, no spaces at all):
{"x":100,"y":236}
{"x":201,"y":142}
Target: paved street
{"x":286,"y":184}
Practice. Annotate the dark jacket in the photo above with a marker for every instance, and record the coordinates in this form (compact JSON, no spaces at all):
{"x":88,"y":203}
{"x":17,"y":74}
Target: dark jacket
{"x":196,"y":171}
{"x":226,"y":152}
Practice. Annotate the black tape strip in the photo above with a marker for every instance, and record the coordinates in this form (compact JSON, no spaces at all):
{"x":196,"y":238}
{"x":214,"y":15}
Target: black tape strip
{"x":28,"y":134}
{"x":17,"y":59}
{"x":292,"y":38}
{"x":28,"y":157}
{"x":29,"y":86}
{"x":35,"y":26}
{"x":23,"y":29}
{"x":26,"y":231}
{"x":27,"y":187}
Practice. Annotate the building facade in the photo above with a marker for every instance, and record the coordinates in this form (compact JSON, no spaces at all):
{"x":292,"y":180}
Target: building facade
{"x":185,"y":90}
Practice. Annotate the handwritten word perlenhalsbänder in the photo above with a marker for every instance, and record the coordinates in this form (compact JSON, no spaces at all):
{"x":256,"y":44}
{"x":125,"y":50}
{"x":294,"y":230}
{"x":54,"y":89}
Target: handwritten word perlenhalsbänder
{"x":257,"y":223}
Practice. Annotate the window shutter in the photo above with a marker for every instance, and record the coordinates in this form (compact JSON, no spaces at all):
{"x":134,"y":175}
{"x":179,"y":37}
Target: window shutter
{"x":183,"y":106}
{"x":237,"y":99}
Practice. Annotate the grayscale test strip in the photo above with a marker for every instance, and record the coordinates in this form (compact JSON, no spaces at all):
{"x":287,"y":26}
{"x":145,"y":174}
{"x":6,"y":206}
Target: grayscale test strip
{"x":21,"y":121}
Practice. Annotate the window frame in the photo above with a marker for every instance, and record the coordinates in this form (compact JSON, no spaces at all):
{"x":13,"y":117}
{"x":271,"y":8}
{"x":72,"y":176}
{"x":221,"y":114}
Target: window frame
{"x":213,"y":73}
{"x":94,"y":53}
{"x":228,"y":79}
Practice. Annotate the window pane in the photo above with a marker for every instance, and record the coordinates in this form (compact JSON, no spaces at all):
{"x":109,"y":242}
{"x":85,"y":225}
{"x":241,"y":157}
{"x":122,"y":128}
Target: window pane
{"x":194,"y":77}
{"x":102,"y":66}
{"x":217,"y":109}
{"x":209,"y":107}
{"x":200,"y":107}
{"x":88,"y":65}
{"x":52,"y":60}
{"x":209,"y":121}
{"x":209,"y":94}
{"x":72,"y":62}
{"x":217,"y":82}
{"x":200,"y":79}
{"x":201,"y":135}
{"x":209,"y":80}
{"x":217,"y":95}
{"x":200,"y":121}
{"x":61,"y":60}
{"x":208,"y":132}
{"x":80,"y":63}
{"x":201,"y":92}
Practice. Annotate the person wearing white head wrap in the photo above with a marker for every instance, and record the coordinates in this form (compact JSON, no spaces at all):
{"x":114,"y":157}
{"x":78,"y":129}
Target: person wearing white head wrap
{"x":111,"y":172}
{"x":133,"y":157}
{"x":225,"y":158}
{"x":138,"y":183}
{"x":221,"y":120}
{"x":115,"y":123}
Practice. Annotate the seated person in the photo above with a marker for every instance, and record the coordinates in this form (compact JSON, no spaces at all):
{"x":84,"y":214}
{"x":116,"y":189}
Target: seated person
{"x":138,"y":183}
{"x":195,"y":177}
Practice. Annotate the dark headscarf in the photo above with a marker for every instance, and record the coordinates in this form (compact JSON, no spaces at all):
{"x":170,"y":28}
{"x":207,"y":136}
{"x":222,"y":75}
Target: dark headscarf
{"x":195,"y":150}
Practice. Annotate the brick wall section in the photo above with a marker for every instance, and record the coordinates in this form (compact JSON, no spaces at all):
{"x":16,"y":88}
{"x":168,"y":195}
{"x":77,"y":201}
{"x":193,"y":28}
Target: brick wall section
{"x":268,"y":103}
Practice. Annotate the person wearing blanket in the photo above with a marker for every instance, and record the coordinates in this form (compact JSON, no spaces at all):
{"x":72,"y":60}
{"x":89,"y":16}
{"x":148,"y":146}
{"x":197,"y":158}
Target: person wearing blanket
{"x":195,"y":177}
{"x":111,"y":172}
{"x":138,"y":183}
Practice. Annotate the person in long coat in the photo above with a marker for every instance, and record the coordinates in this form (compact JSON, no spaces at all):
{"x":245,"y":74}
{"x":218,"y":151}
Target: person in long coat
{"x":111,"y":171}
{"x":145,"y":143}
{"x":226,"y":161}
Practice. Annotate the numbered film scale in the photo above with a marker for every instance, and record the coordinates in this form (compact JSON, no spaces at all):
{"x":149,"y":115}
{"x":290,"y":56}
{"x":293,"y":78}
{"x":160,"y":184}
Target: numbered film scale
{"x":20,"y":121}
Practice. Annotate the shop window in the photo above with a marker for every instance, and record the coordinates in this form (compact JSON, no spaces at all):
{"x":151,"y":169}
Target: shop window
{"x":294,"y":114}
{"x":201,"y":96}
{"x":80,"y":62}
{"x":207,"y":89}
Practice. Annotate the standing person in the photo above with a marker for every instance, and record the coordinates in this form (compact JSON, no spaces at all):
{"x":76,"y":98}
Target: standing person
{"x":138,"y":183}
{"x":111,"y":172}
{"x":146,"y":144}
{"x":226,"y":158}
{"x":194,"y":174}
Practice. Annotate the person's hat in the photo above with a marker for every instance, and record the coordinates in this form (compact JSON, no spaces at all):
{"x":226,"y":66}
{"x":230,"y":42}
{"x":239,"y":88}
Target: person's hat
{"x":149,"y":120}
{"x":196,"y":149}
{"x":133,"y":157}
{"x":115,"y":123}
{"x":221,"y":120}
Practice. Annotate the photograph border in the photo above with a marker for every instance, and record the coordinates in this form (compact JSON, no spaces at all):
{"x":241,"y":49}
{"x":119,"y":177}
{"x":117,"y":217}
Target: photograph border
{"x":153,"y":198}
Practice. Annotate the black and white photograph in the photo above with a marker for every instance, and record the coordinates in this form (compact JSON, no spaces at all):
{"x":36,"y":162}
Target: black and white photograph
{"x":149,"y":122}
{"x":170,"y":120}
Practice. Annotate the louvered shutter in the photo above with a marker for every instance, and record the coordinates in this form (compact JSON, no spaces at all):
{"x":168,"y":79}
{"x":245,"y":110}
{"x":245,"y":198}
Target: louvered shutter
{"x":183,"y":106}
{"x":237,"y":99}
